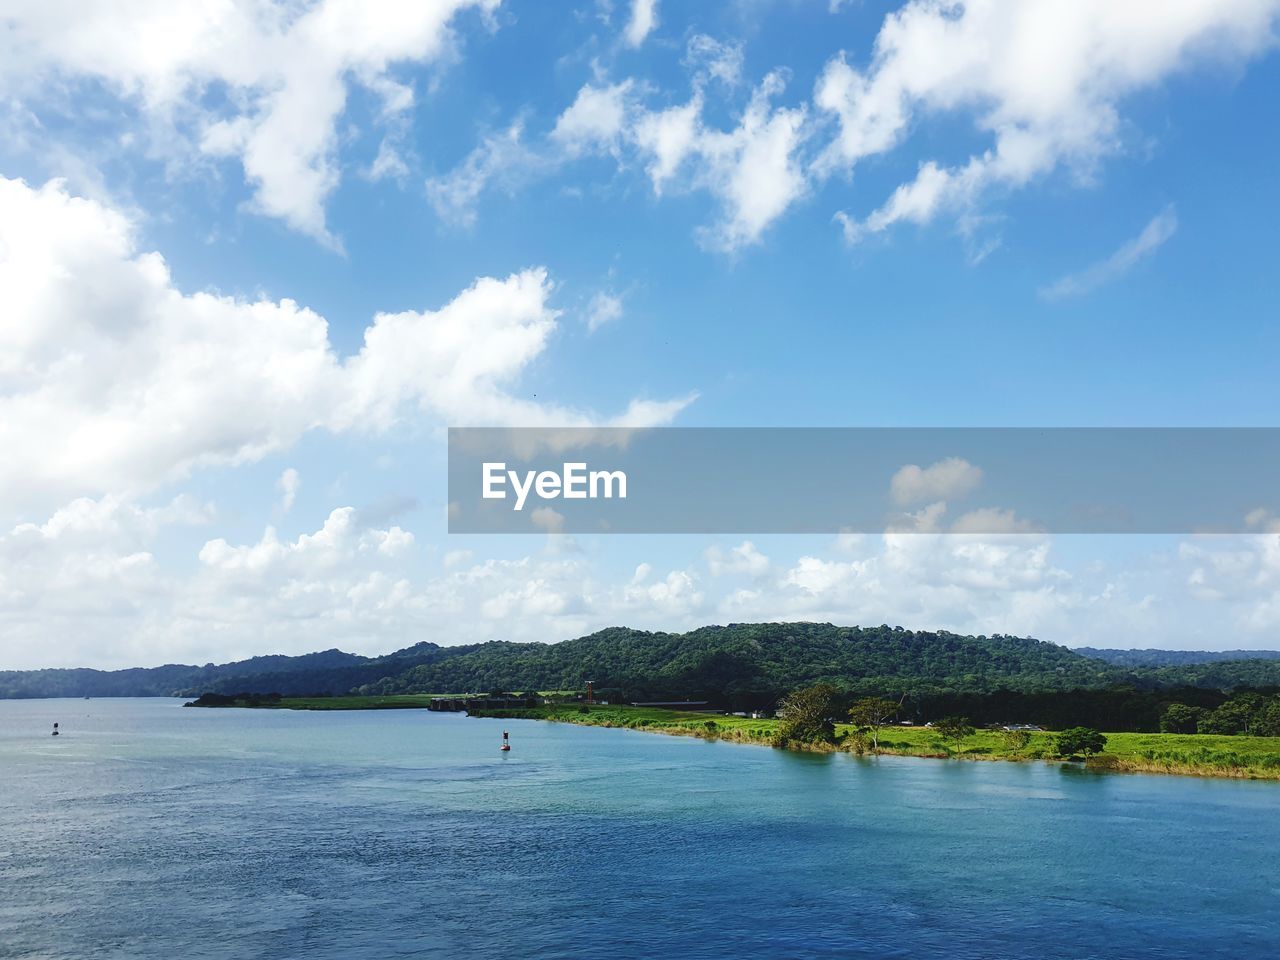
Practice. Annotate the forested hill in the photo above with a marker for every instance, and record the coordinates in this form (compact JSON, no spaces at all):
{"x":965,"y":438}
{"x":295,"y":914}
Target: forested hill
{"x":327,"y":671}
{"x":739,"y":663}
{"x":1172,"y":658}
{"x":746,"y":662}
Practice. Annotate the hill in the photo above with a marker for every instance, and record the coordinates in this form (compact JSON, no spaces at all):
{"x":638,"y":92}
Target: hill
{"x":1172,"y":658}
{"x":742,"y":663}
{"x":326,"y":671}
{"x":757,"y":662}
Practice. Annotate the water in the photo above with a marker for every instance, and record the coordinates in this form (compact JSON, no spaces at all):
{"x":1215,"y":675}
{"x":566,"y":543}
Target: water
{"x":147,"y":830}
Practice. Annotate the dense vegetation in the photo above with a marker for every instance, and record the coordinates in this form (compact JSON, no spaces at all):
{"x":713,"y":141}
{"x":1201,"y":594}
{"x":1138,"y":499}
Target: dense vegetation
{"x":1172,"y":658}
{"x":739,"y":666}
{"x":746,"y":665}
{"x":1250,"y":714}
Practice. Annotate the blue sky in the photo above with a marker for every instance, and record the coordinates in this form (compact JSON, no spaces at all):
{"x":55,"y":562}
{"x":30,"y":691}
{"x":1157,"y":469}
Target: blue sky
{"x":1085,"y":234}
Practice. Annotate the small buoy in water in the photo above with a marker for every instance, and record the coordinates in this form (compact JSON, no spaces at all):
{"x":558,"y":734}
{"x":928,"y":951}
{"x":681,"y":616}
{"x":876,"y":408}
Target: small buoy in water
{"x":505,"y":744}
{"x":55,"y":730}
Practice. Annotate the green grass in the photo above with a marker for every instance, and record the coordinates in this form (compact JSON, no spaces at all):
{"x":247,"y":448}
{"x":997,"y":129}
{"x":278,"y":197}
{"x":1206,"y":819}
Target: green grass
{"x":1198,"y":754}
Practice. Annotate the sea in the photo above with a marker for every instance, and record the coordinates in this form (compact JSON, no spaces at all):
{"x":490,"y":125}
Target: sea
{"x":150,"y":830}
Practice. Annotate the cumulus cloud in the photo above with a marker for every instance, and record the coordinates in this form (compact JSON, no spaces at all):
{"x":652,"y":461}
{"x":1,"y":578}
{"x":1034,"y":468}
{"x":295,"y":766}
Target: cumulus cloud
{"x":267,"y":83}
{"x":596,"y":118}
{"x":948,"y":479}
{"x":1153,"y":236}
{"x":1240,"y":575}
{"x":92,"y":585}
{"x":140,"y":383}
{"x":1044,"y":82}
{"x":742,"y":559}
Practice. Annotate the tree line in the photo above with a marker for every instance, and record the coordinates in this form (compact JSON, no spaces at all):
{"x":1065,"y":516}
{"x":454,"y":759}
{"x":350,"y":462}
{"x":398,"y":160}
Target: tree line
{"x":1249,"y":713}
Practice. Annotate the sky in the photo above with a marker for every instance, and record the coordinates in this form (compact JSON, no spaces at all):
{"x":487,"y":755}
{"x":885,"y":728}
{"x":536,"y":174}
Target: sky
{"x":256,"y":257}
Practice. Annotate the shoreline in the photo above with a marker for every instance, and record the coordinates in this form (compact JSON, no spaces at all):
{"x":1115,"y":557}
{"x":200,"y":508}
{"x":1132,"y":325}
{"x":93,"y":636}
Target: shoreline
{"x":1196,"y":755}
{"x":920,"y":744}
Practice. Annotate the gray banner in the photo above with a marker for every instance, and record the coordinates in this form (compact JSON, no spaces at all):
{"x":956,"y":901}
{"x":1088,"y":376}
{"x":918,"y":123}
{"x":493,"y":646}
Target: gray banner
{"x":864,"y":480}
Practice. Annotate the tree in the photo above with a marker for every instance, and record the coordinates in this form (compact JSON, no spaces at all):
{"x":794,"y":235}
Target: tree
{"x":1237,"y":715}
{"x":1016,"y":741}
{"x":1267,"y":721}
{"x":955,"y":729}
{"x":805,"y":715}
{"x":870,"y":714}
{"x":1083,"y":740}
{"x":1180,"y":718}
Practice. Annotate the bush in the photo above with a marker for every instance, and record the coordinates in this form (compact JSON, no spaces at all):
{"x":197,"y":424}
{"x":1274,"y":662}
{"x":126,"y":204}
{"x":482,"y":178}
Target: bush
{"x":1180,"y":718}
{"x":1015,"y":741}
{"x":1083,"y":740}
{"x":955,"y":729}
{"x":806,"y":715}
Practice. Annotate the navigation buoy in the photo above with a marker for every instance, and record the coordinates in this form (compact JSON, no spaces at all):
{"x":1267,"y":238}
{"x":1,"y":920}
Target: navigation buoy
{"x":506,"y":745}
{"x":55,"y":730}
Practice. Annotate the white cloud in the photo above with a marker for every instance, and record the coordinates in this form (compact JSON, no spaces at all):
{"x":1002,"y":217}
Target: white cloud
{"x":340,"y":539}
{"x":389,"y":164}
{"x":266,"y":82}
{"x":91,"y":585}
{"x":743,"y":559}
{"x":708,"y":58}
{"x":142,"y":383}
{"x":456,"y":558}
{"x":288,"y":484}
{"x":603,"y":308}
{"x":644,"y":18}
{"x":1240,"y":575}
{"x":753,"y":168}
{"x":501,"y":159}
{"x":1044,"y":80}
{"x":947,"y":479}
{"x":595,"y":120}
{"x":669,"y":137}
{"x":1152,"y":238}
{"x":672,"y":598}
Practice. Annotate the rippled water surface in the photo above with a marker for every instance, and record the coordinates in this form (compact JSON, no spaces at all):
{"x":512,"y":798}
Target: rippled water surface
{"x":149,"y":830}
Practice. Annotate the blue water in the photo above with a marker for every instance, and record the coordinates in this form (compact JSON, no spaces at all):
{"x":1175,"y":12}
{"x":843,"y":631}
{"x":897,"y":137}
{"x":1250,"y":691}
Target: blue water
{"x":147,"y":830}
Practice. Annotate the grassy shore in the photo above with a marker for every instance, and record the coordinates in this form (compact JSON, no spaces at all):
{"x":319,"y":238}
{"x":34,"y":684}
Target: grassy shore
{"x":1255,"y":758}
